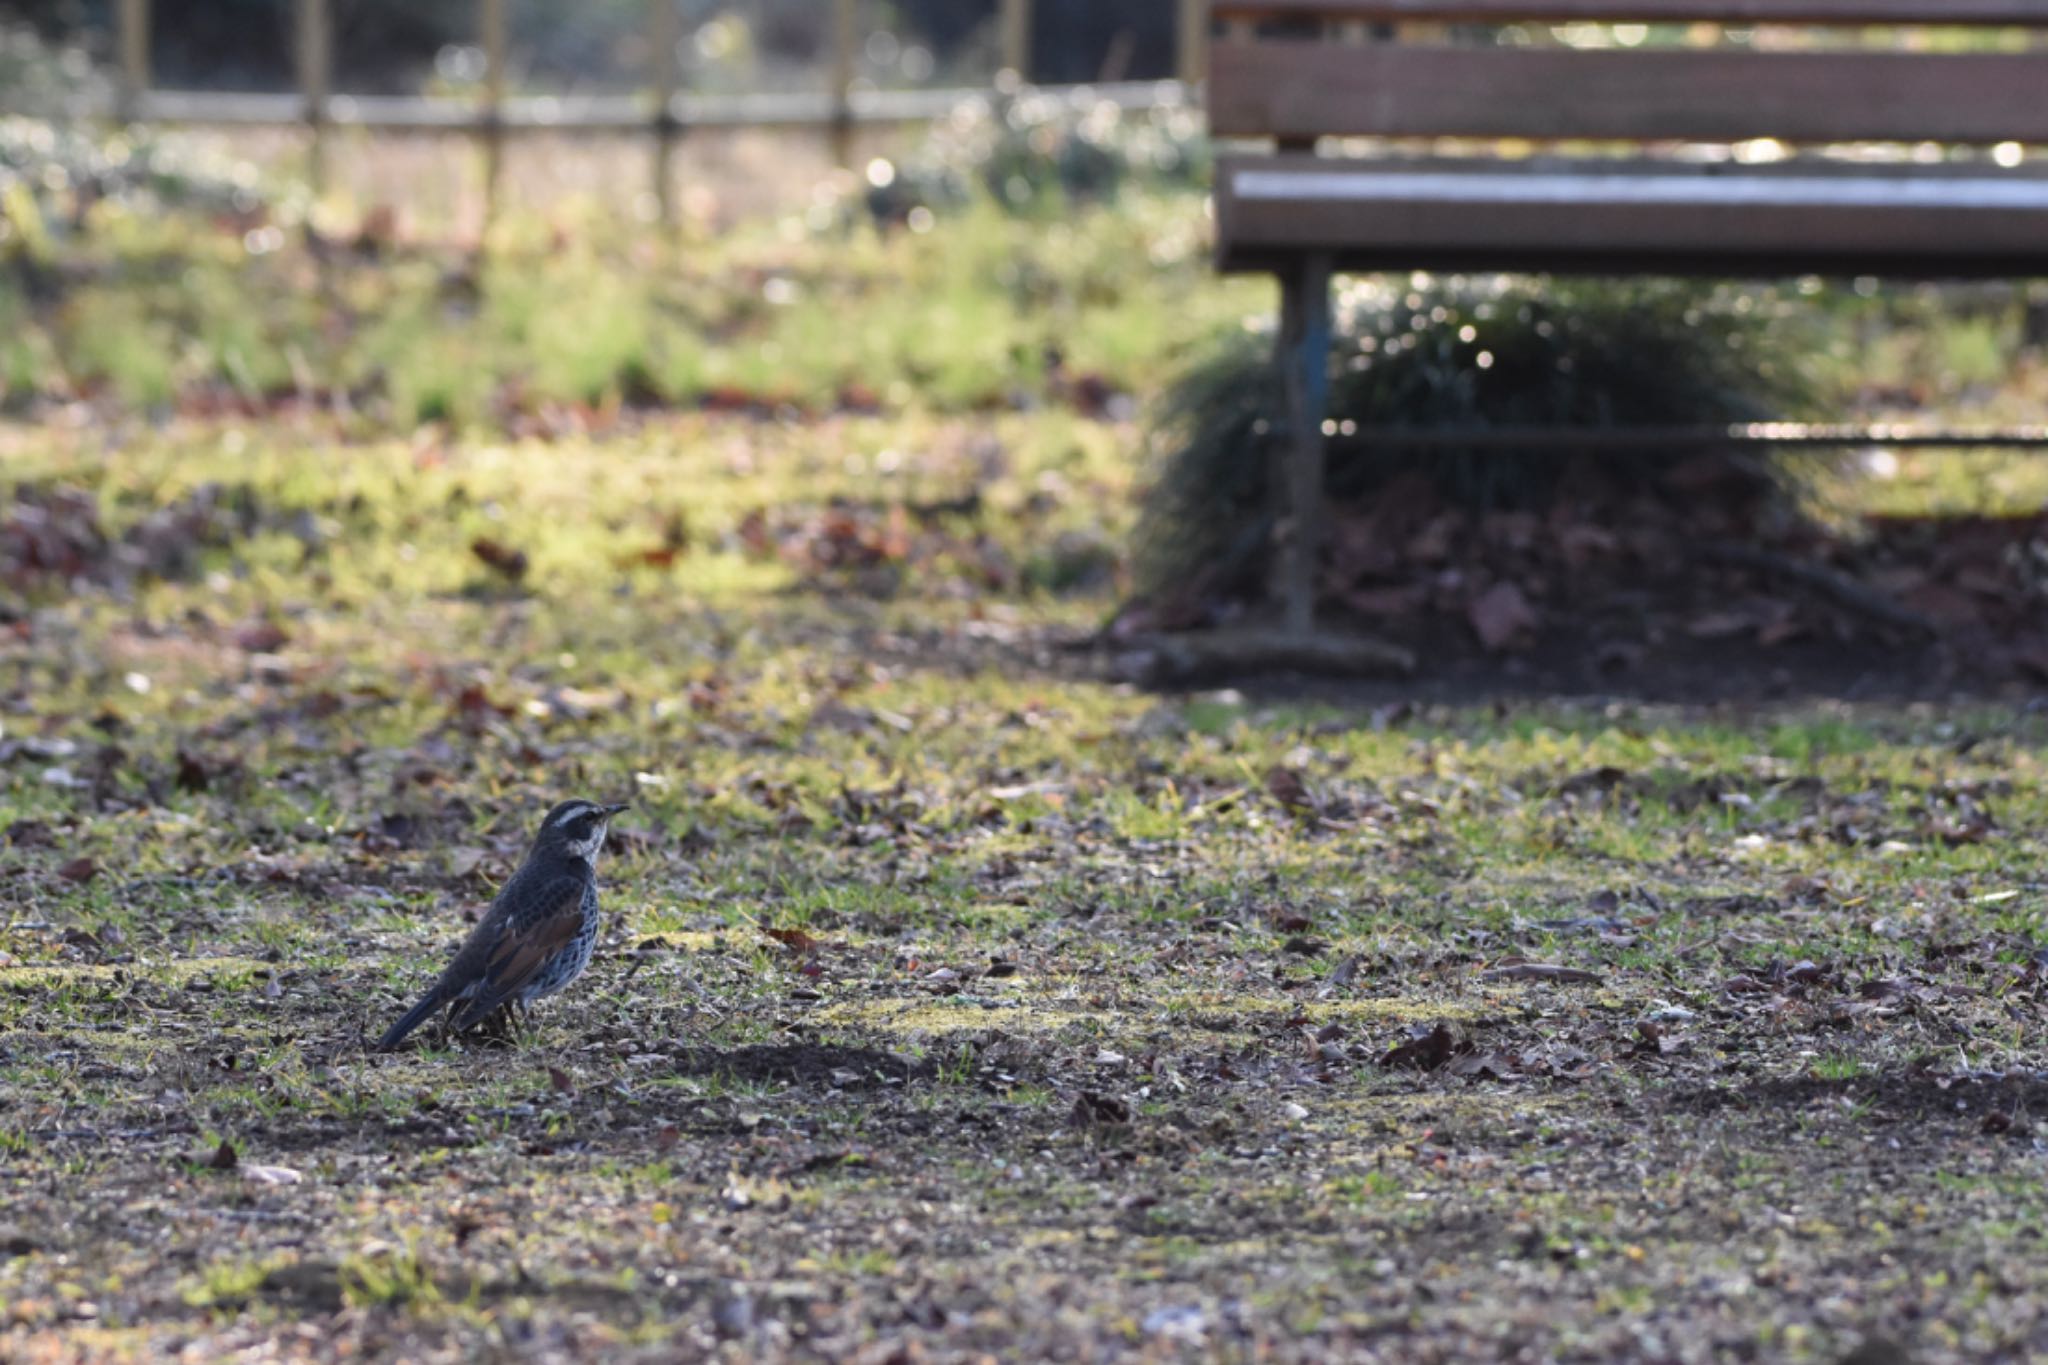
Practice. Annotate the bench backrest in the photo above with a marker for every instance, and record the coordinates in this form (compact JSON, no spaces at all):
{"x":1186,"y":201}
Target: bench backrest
{"x":1296,"y":70}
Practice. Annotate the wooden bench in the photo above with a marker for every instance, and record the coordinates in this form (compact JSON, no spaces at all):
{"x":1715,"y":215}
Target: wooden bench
{"x":1638,"y":155}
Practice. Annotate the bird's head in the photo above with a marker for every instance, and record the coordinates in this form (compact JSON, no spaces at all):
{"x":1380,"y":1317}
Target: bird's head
{"x":575,"y":829}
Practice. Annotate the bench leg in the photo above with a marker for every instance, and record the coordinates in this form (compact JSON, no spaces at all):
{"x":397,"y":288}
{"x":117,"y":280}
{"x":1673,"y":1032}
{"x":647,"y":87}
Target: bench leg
{"x":1304,"y":361}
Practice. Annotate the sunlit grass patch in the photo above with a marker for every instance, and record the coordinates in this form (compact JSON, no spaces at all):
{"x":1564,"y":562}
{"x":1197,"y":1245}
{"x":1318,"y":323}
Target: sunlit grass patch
{"x":1213,"y":1009}
{"x":985,"y":311}
{"x":225,"y":973}
{"x":939,"y":1016}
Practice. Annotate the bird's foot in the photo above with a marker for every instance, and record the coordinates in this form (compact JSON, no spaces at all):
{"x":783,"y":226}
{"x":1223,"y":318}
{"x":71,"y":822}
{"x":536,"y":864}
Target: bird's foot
{"x":501,"y":1028}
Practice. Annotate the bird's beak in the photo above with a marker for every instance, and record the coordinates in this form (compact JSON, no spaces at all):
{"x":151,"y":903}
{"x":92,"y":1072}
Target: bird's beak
{"x":610,"y":811}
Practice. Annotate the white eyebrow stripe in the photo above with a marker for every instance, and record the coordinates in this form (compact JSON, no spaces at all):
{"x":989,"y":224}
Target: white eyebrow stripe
{"x":580,"y":808}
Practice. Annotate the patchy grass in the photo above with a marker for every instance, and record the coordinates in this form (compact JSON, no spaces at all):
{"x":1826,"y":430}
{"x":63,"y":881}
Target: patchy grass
{"x":565,"y":320}
{"x":1195,"y":1025}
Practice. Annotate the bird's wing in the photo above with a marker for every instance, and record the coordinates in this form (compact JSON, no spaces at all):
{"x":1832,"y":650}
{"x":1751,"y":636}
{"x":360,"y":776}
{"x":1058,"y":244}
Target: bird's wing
{"x":532,"y":933}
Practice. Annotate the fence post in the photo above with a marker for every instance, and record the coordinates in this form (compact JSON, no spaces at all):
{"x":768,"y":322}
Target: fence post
{"x":845,"y":37}
{"x":133,"y":19}
{"x":1194,"y":42}
{"x":665,"y":32}
{"x":315,"y":72}
{"x":493,"y":24}
{"x":1016,"y":38}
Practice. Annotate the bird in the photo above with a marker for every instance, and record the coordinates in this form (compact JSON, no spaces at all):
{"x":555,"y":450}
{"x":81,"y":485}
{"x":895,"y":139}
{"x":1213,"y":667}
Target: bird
{"x":536,"y":937}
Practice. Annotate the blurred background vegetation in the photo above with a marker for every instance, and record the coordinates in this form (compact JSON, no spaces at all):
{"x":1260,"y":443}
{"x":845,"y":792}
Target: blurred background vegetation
{"x":404,"y":46}
{"x":1029,"y":252}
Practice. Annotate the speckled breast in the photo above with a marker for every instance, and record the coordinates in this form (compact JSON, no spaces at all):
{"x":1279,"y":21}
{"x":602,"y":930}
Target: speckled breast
{"x":565,"y":966}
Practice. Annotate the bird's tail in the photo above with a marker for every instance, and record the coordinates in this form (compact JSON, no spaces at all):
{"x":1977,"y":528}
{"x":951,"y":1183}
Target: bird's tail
{"x":414,"y":1017}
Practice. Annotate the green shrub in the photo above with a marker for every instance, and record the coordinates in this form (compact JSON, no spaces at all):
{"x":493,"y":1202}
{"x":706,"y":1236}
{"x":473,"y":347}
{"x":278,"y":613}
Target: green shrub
{"x":1469,"y":352}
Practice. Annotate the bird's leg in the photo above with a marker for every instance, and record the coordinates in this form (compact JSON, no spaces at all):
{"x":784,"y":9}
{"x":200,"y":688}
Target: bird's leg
{"x":504,"y":1024}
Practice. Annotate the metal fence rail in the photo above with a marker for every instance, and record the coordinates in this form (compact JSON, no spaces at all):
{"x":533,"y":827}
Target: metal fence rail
{"x":1746,"y":435}
{"x":662,"y":113}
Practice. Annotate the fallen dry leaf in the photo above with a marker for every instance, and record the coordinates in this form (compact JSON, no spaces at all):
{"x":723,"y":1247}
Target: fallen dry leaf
{"x":1098,"y":1111}
{"x":1719,"y":625}
{"x":1427,"y":1049}
{"x":464,"y":862}
{"x":1402,"y":601}
{"x":2032,"y":656}
{"x":1500,"y":616}
{"x":506,"y":560}
{"x":1289,"y":788}
{"x":660,"y":557}
{"x":261,"y":637}
{"x":796,"y":940}
{"x":1483,"y":1066}
{"x":192,"y":775}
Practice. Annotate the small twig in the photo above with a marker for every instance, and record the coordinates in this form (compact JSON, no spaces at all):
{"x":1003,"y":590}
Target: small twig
{"x":108,"y":1134}
{"x":1845,"y":590}
{"x":257,"y":1215}
{"x":1698,"y":945}
{"x":1542,"y":971}
{"x":640,"y":958}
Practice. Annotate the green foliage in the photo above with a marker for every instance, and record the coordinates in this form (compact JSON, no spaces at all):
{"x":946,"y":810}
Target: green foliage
{"x":61,"y":164}
{"x":50,"y":79}
{"x":1040,"y":155}
{"x":115,"y":341}
{"x":391,"y":1277}
{"x":229,"y":1283}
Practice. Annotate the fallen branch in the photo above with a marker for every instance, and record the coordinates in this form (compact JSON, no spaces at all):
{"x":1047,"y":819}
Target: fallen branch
{"x":1845,"y":590}
{"x":1183,"y":657}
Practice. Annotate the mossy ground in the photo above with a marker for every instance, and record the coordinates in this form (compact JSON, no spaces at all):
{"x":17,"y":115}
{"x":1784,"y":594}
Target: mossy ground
{"x":1091,"y":1051}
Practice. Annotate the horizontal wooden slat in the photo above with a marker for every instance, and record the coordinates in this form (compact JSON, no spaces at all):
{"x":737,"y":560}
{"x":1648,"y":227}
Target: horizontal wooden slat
{"x":1307,"y":89}
{"x":1605,"y":219}
{"x":1971,"y":13}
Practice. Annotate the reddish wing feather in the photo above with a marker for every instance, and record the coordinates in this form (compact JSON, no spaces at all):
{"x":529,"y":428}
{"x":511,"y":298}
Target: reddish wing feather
{"x":520,"y":954}
{"x":523,"y":946}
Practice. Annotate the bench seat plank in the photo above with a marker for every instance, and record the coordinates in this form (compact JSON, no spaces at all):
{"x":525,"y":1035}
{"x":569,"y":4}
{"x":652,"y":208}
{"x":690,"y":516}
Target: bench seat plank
{"x":1306,"y":89}
{"x":1996,"y":13}
{"x":1623,"y":218}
